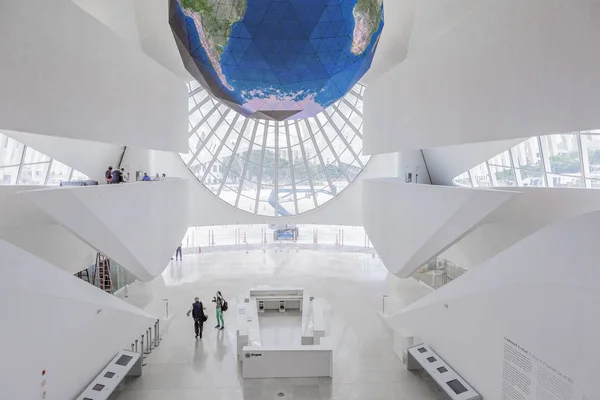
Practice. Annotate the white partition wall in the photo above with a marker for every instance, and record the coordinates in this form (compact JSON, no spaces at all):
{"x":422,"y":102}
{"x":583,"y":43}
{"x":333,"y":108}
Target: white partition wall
{"x":488,"y":70}
{"x":525,"y":321}
{"x":139,"y":225}
{"x":57,"y":329}
{"x":79,"y":79}
{"x":409,"y":224}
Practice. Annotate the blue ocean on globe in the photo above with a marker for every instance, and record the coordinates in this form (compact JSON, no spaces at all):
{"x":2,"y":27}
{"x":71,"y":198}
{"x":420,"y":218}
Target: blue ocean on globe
{"x":277,"y":59}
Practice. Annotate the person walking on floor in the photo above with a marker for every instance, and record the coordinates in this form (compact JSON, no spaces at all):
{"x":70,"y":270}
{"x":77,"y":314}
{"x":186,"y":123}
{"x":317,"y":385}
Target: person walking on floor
{"x":199,"y":316}
{"x":221,"y":305}
{"x":178,"y":253}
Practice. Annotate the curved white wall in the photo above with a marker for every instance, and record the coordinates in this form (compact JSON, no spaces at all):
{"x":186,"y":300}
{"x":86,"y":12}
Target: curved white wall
{"x":496,"y":70}
{"x":66,"y":74}
{"x":55,"y":322}
{"x":543,"y":294}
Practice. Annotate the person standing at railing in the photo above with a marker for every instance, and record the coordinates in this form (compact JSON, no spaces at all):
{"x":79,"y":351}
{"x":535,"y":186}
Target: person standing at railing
{"x":108,"y":175}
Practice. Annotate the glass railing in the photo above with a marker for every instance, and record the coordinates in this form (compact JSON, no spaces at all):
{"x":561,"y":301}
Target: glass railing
{"x":438,"y":272}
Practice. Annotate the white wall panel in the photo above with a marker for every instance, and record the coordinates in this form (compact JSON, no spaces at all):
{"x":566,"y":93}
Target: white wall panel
{"x":519,"y":217}
{"x":66,"y":74}
{"x":24,"y":225}
{"x":507,"y":69}
{"x":139,"y":225}
{"x":55,"y":322}
{"x":542,"y":294}
{"x":409,"y":224}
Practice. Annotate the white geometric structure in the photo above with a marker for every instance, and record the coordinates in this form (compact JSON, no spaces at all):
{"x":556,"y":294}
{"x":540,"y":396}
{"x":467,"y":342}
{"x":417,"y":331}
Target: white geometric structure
{"x":139,"y":225}
{"x":107,"y":92}
{"x":71,"y":327}
{"x":406,"y":237}
{"x":310,"y":357}
{"x":484,"y":71}
{"x":533,"y":299}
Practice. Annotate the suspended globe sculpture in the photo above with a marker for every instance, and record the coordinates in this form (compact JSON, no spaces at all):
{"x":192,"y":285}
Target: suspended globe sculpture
{"x":277,"y":59}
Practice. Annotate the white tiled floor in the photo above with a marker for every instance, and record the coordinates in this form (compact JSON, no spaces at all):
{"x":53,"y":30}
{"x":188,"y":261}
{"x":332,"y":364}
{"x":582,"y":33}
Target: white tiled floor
{"x":352,"y":285}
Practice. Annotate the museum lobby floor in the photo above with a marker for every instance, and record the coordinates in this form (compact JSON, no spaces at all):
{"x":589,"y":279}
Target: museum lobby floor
{"x":352,"y":285}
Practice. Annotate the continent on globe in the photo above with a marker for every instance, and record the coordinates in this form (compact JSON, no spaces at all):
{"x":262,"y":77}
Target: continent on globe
{"x":277,"y":59}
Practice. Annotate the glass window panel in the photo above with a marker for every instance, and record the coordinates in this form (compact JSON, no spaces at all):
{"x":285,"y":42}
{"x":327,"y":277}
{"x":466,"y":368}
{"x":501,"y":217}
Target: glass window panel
{"x":564,"y":181}
{"x":591,"y":149}
{"x":480,"y":176}
{"x":33,"y":174}
{"x":504,"y":176}
{"x":34,"y":156}
{"x":502,"y":159}
{"x":527,"y":155}
{"x":283,"y":153}
{"x":8,"y":175}
{"x":11,"y":151}
{"x":594,"y":183}
{"x":463,"y":180}
{"x":529,"y":178}
{"x":563,"y":154}
{"x":58,"y":172}
{"x":78,"y":176}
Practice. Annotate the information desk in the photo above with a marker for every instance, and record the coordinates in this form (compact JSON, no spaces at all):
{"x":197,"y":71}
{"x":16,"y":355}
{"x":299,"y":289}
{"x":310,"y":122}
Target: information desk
{"x":311,"y":357}
{"x":288,"y":362}
{"x":422,"y":357}
{"x":126,"y":363}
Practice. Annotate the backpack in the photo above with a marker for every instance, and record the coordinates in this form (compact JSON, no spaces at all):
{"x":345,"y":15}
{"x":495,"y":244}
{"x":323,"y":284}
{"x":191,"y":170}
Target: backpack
{"x":225,"y":306}
{"x":108,"y":175}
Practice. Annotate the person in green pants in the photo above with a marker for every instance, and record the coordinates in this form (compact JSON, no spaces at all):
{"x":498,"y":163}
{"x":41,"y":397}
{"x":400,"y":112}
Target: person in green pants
{"x":219,"y":301}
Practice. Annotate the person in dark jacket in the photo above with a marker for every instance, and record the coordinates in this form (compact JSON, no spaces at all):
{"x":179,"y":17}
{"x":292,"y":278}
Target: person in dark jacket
{"x":117,"y":176}
{"x":197,"y":312}
{"x":108,"y":175}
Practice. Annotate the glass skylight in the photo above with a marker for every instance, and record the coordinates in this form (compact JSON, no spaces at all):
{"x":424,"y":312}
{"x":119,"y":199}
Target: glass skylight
{"x":275,"y":168}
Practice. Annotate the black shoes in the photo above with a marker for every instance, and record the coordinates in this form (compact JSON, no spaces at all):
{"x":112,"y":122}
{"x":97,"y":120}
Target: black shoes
{"x":218,"y":326}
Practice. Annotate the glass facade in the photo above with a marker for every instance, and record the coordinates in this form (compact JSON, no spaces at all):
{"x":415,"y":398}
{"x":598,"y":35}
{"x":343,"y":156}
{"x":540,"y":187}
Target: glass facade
{"x":23,"y":165}
{"x":275,"y":168}
{"x":566,"y":160}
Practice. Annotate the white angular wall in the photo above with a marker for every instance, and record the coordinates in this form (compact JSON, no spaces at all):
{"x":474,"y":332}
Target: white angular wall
{"x":55,"y":322}
{"x":139,"y":225}
{"x":409,"y":224}
{"x":488,"y":70}
{"x":64,"y":73}
{"x":543,"y":294}
{"x":26,"y":226}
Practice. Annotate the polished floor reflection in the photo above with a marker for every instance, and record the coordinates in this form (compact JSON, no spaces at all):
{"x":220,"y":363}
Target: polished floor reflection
{"x":352,"y":285}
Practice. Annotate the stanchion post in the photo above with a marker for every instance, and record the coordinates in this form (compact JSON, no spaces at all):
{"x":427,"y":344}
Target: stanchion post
{"x":156,"y":334}
{"x":136,"y":345}
{"x":158,"y":324}
{"x":166,"y":307}
{"x":132,"y":347}
{"x":142,"y":351}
